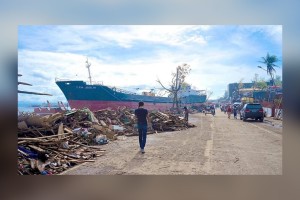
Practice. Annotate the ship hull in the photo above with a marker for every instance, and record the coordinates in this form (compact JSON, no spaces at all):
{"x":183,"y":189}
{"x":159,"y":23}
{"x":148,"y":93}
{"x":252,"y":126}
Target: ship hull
{"x":95,"y":97}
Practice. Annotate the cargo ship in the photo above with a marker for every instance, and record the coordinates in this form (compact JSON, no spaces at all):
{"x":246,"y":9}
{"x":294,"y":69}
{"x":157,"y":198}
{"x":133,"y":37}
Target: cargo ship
{"x":81,"y":94}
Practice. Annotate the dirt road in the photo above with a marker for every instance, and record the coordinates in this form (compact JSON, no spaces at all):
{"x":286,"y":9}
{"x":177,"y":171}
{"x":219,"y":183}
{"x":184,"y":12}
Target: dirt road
{"x":217,"y":146}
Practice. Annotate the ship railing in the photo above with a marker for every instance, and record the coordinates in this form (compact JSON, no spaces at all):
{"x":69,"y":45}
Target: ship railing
{"x":121,"y":90}
{"x":125,"y":91}
{"x":96,"y":82}
{"x":61,"y":79}
{"x":87,"y":81}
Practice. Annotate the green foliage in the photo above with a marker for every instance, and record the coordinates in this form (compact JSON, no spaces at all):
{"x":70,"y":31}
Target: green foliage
{"x":270,"y":61}
{"x":261,"y":84}
{"x":278,"y":81}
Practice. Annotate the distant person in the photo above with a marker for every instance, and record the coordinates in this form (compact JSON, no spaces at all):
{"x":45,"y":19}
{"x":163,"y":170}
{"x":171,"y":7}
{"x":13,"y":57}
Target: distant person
{"x":235,"y":112}
{"x":229,"y":111}
{"x":213,"y":110}
{"x":142,"y":121}
{"x":186,"y":114}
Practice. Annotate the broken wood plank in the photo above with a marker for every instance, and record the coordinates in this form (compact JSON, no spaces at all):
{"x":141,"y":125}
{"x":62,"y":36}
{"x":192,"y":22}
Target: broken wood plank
{"x":38,"y":149}
{"x":60,"y":133}
{"x":44,"y":137}
{"x":68,"y":130}
{"x":103,"y":123}
{"x":38,"y":131}
{"x":84,"y":145}
{"x":25,"y":154}
{"x":81,"y":161}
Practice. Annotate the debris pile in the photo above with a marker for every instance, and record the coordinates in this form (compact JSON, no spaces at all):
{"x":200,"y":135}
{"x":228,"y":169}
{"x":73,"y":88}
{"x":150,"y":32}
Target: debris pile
{"x":53,"y":154}
{"x":120,"y":121}
{"x":53,"y":143}
{"x":168,"y":122}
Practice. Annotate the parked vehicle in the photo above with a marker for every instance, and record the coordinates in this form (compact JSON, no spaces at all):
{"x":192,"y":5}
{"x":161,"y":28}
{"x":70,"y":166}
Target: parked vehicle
{"x":252,"y":110}
{"x":210,"y":110}
{"x":237,"y":104}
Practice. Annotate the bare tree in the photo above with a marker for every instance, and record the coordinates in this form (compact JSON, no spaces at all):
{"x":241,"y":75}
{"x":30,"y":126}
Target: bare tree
{"x":240,"y":85}
{"x":178,"y":79}
{"x":208,"y":95}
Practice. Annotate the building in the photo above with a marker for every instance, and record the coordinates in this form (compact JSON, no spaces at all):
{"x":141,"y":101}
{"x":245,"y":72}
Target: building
{"x":233,"y":89}
{"x":248,"y":90}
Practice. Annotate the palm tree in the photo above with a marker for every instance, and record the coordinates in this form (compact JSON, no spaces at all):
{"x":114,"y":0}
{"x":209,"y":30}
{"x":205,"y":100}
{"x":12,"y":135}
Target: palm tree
{"x":269,"y":62}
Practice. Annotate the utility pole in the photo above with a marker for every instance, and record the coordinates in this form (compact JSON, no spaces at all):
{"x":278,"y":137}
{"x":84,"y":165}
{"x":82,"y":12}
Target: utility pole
{"x":88,"y":65}
{"x":176,"y":88}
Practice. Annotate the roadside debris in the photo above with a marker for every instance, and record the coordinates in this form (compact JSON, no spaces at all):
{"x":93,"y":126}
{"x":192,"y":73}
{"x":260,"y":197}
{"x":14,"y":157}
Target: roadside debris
{"x":53,"y":143}
{"x":168,"y":122}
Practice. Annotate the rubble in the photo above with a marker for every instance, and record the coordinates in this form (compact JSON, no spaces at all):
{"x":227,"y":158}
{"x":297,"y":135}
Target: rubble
{"x":168,"y":122}
{"x":53,"y":143}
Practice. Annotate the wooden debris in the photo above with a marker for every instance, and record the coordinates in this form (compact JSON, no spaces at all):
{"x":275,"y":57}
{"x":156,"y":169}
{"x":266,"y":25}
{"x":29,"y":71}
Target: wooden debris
{"x":60,"y":132}
{"x":22,"y":125}
{"x":38,"y":149}
{"x":70,"y":138}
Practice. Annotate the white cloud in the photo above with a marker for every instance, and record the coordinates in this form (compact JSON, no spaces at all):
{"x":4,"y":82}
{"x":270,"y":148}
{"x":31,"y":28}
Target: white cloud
{"x":125,"y":36}
{"x":213,"y":66}
{"x":273,"y":32}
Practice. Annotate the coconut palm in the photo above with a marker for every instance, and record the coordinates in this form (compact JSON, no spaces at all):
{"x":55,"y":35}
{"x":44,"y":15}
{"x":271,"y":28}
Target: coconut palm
{"x":270,"y":61}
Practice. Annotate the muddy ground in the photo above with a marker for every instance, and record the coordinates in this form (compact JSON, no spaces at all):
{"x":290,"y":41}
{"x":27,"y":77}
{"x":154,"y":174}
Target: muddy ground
{"x":217,"y":146}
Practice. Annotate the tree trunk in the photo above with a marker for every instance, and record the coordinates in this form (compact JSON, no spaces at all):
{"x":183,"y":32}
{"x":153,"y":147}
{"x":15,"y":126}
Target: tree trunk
{"x":176,"y":101}
{"x":173,"y":106}
{"x":272,"y":78}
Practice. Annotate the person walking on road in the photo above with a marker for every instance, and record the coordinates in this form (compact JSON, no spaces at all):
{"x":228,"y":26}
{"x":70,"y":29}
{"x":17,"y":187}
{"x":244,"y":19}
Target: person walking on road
{"x":235,"y":112}
{"x":142,"y":121}
{"x":229,"y":111}
{"x":212,"y":110}
{"x":186,"y":114}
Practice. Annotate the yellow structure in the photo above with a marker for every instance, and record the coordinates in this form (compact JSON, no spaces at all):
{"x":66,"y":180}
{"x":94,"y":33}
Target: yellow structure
{"x":247,"y":99}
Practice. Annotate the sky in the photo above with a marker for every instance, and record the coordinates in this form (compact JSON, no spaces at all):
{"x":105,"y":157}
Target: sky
{"x":136,"y":56}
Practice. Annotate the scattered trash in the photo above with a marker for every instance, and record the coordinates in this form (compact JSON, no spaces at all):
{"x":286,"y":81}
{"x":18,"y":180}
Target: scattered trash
{"x":236,"y":159}
{"x":101,"y":139}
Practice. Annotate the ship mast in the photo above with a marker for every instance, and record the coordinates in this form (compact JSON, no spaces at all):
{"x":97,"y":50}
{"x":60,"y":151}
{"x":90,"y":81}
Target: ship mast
{"x":88,"y":65}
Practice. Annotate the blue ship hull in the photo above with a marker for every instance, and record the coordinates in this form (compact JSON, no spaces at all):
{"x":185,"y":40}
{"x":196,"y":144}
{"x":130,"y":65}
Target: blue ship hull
{"x":95,"y":97}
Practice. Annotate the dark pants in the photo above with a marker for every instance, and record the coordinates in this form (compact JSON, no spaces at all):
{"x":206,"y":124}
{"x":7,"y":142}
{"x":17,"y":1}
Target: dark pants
{"x":142,"y":135}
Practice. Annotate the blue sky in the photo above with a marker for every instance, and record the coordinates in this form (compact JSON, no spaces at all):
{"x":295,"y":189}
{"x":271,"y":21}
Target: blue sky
{"x":135,"y":56}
